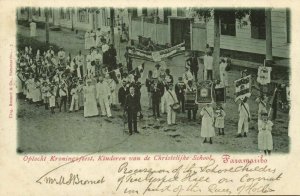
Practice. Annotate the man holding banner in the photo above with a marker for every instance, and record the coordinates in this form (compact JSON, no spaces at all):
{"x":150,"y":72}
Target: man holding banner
{"x":244,"y":117}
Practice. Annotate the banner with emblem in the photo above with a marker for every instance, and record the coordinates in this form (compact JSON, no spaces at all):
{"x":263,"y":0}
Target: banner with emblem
{"x":264,"y":75}
{"x":220,"y":95}
{"x":242,"y":87}
{"x":204,"y":92}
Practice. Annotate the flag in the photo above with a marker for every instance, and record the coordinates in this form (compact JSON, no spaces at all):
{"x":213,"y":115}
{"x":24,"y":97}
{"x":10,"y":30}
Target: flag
{"x":242,"y":87}
{"x":204,"y":92}
{"x":264,"y":75}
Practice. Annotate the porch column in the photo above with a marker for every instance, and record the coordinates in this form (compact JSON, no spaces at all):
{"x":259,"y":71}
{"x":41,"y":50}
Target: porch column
{"x":169,"y":26}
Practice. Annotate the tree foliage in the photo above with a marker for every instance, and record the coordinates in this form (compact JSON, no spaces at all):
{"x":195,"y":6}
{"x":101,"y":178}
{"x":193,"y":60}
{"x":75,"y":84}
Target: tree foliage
{"x":207,"y":13}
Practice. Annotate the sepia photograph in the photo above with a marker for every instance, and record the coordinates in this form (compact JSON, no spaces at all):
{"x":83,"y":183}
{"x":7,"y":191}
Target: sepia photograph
{"x":155,"y":80}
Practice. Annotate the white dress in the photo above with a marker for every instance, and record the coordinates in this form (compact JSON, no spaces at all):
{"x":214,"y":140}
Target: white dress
{"x":87,"y":40}
{"x":265,"y":140}
{"x":52,"y":97}
{"x":90,"y":103}
{"x":207,"y":129}
{"x":36,"y":92}
{"x":220,"y":115}
{"x":223,"y":74}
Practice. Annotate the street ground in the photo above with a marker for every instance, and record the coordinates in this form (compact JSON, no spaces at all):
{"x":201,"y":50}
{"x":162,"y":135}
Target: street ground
{"x":41,"y":132}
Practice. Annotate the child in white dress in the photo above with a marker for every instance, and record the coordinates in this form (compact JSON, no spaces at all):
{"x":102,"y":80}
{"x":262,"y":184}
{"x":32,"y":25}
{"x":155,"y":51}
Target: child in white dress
{"x":219,"y":121}
{"x":52,"y":95}
{"x":265,"y":140}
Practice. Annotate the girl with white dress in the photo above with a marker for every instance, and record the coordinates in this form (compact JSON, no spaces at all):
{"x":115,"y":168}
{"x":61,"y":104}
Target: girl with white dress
{"x":219,"y":121}
{"x":265,"y":140}
{"x":223,"y":73}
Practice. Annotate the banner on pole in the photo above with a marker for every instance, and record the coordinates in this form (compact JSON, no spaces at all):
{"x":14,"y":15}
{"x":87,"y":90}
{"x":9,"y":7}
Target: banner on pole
{"x":204,"y":92}
{"x":264,"y":75}
{"x":242,"y":87}
{"x":156,"y":56}
{"x":220,"y":95}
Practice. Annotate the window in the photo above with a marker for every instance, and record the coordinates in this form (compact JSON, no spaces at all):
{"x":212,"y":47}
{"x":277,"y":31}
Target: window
{"x":258,"y":25}
{"x":134,"y":12}
{"x":65,"y":14}
{"x":23,"y":11}
{"x":144,"y":11}
{"x":180,"y":12}
{"x":83,"y":15}
{"x":36,"y":11}
{"x":288,"y":26}
{"x":228,"y":23}
{"x":167,"y":12}
{"x":61,"y":13}
{"x":50,"y":13}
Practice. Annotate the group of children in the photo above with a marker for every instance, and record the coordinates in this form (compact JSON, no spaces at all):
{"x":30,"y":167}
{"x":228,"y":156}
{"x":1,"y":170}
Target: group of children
{"x":160,"y":82}
{"x":50,"y":80}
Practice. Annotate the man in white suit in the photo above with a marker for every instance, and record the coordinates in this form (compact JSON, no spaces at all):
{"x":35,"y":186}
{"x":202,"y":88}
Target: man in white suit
{"x":171,"y":98}
{"x":103,"y":96}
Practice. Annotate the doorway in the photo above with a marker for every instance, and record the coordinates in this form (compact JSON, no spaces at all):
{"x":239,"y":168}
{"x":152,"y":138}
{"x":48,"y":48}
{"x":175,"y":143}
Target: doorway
{"x":180,"y":31}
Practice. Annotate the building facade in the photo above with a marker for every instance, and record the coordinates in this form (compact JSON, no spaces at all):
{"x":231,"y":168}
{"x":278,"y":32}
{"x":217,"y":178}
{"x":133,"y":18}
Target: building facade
{"x":176,"y":25}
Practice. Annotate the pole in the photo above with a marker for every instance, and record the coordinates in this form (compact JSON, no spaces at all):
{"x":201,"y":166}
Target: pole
{"x":112,"y":19}
{"x":269,"y":56}
{"x":47,"y":26}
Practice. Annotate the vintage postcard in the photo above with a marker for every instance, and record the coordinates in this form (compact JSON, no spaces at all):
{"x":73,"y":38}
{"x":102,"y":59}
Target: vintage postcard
{"x":149,"y":98}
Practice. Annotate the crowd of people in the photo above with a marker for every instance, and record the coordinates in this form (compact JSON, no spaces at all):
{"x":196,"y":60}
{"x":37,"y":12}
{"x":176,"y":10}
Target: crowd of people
{"x":56,"y":80}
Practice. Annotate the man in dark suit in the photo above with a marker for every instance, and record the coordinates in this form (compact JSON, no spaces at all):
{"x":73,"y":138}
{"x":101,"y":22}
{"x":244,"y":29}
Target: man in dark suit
{"x":123,"y":92}
{"x":132,"y":107}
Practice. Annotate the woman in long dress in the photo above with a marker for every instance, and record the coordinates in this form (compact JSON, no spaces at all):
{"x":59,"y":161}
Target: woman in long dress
{"x":80,"y":95}
{"x":223,"y":73}
{"x":207,"y":124}
{"x":87,"y":40}
{"x":29,"y":86}
{"x":36,"y":91}
{"x":90,"y":103}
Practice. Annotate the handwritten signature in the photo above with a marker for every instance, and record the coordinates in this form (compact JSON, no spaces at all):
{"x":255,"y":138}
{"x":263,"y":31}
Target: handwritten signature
{"x":72,"y":179}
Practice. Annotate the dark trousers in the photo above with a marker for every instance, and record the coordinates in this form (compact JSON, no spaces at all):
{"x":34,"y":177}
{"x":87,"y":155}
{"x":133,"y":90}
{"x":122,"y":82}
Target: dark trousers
{"x":63,"y":100}
{"x":195,"y":74}
{"x":274,"y":114}
{"x":132,"y":120}
{"x":194,"y":114}
{"x":81,"y":71}
{"x":209,"y":75}
{"x":181,"y":102}
{"x":155,"y":108}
